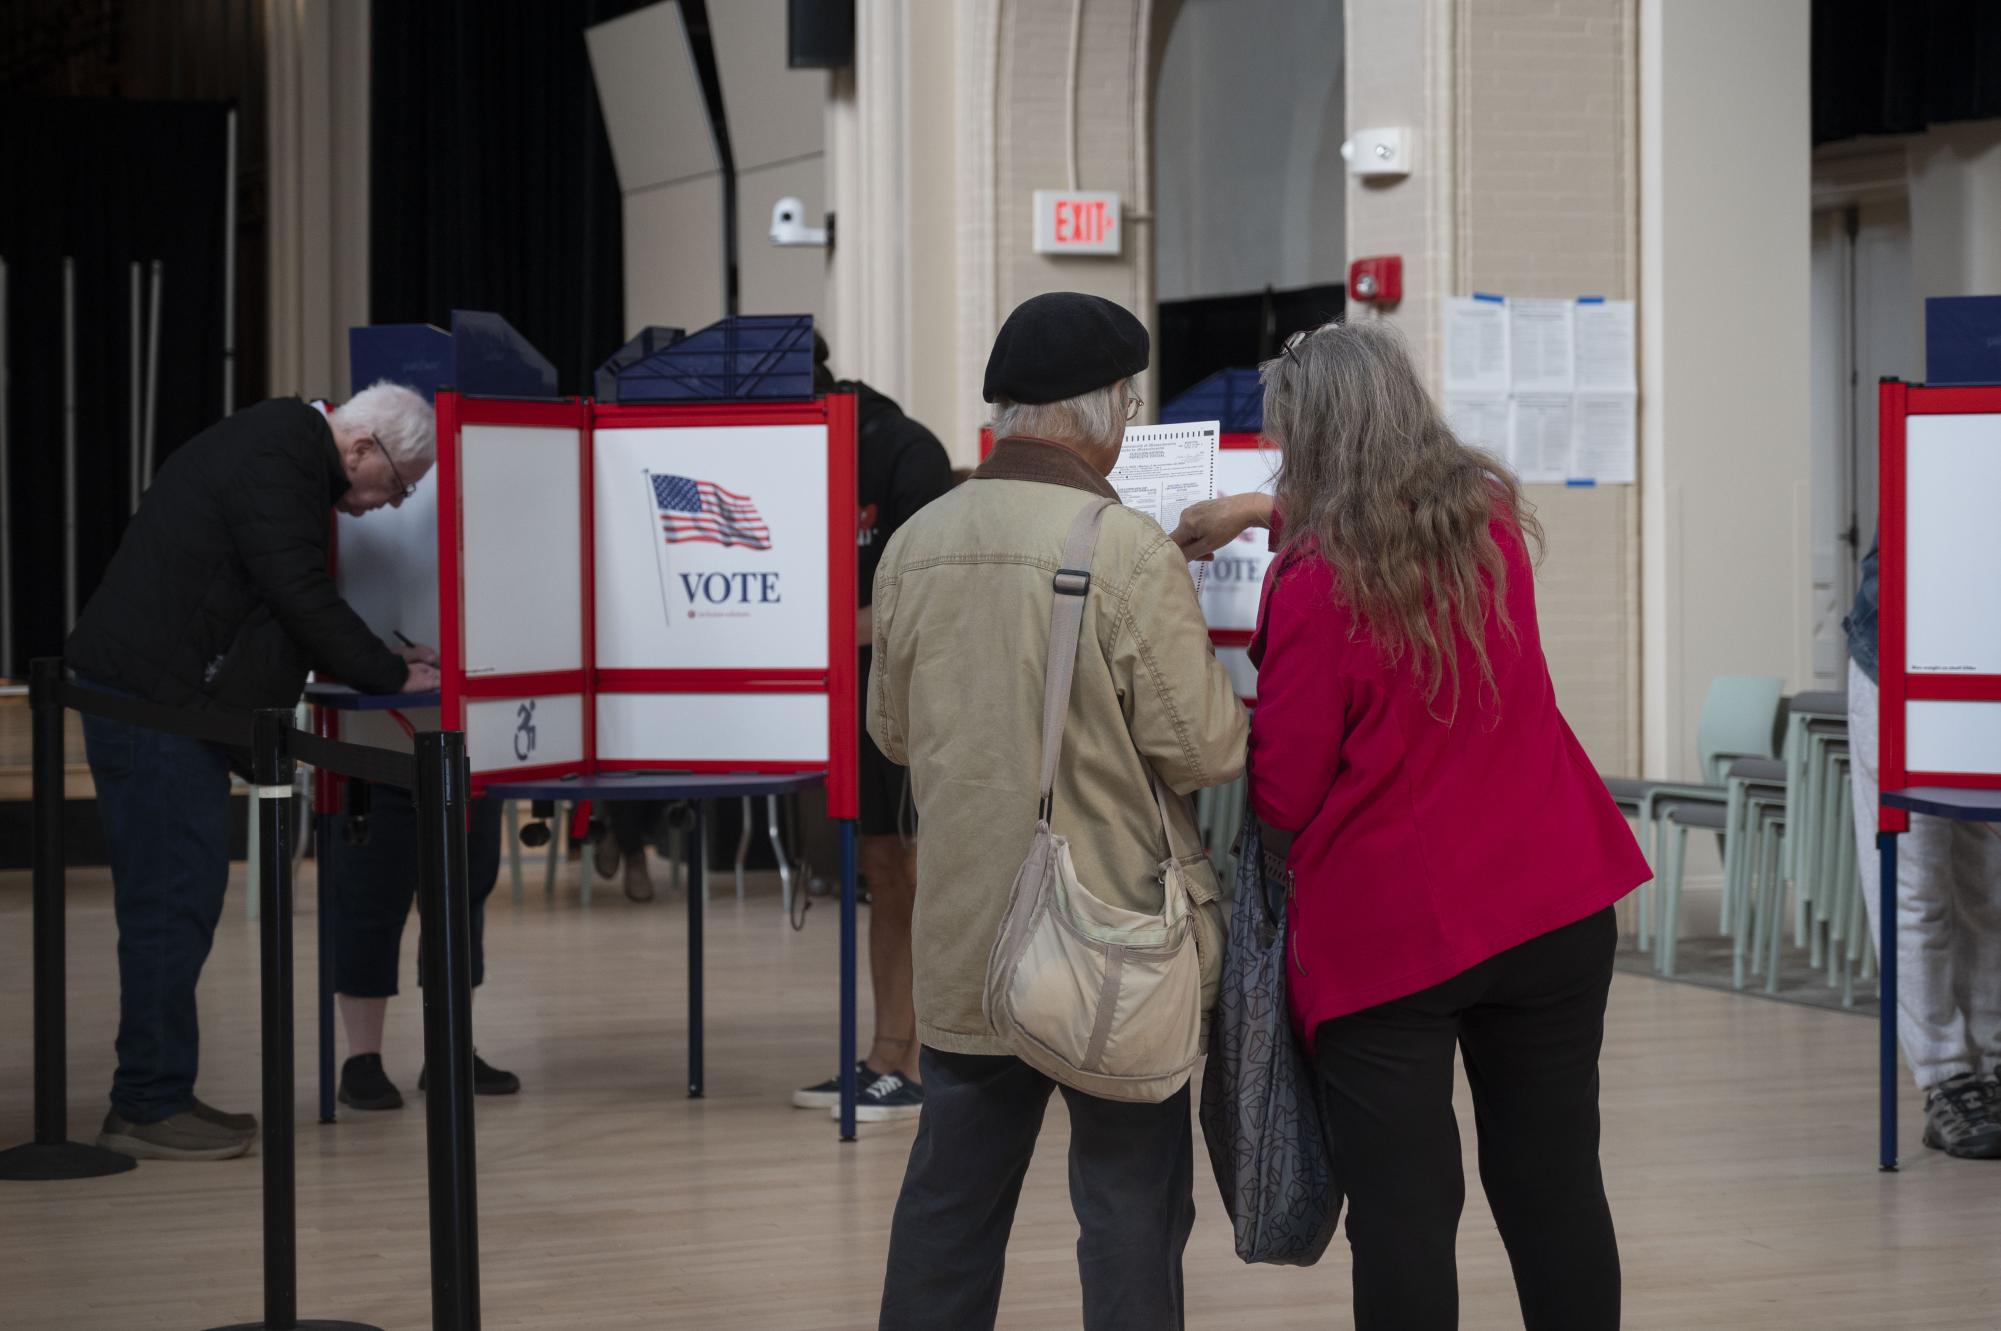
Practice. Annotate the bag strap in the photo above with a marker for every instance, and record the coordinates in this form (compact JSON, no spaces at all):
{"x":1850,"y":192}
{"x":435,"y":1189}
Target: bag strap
{"x":1066,"y":619}
{"x":1072,"y":584}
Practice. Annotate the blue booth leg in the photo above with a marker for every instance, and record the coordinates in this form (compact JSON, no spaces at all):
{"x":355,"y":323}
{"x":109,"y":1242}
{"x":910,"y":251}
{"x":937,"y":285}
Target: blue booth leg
{"x":698,"y":888}
{"x":1886,"y":989}
{"x":848,"y":1087}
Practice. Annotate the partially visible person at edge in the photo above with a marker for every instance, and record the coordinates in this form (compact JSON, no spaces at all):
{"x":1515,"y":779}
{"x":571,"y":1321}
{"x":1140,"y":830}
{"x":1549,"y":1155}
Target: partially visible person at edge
{"x":219,"y":596}
{"x":1455,"y":855}
{"x":899,"y":468}
{"x":374,"y":881}
{"x":1948,"y":926}
{"x":962,"y":607}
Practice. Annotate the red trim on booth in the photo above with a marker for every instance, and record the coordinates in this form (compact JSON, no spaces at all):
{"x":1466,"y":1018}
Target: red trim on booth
{"x":1240,"y":440}
{"x":1951,"y":688}
{"x":712,"y":681}
{"x":1232,"y":637}
{"x":539,"y":684}
{"x":1893,"y":401}
{"x":1975,"y":400}
{"x":708,"y":414}
{"x":326,"y":784}
{"x":986,"y":442}
{"x":843,"y":665}
{"x":587,"y":481}
{"x":1951,"y":780}
{"x":723,"y":766}
{"x":451,"y":584}
{"x":561,"y":414}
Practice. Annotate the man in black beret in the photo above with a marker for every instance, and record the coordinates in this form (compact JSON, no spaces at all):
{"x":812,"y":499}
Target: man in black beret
{"x":963,"y":603}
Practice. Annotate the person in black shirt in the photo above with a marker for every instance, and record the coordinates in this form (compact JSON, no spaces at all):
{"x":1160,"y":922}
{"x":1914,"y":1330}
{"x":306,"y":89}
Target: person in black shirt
{"x":219,"y":596}
{"x":899,"y":468}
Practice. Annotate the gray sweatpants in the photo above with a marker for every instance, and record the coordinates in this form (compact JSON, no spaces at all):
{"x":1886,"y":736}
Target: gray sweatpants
{"x":1948,"y":918}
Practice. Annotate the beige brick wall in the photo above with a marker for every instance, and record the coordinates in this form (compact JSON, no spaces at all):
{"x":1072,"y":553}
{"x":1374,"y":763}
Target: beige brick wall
{"x":1548,"y":164}
{"x":1525,"y":186}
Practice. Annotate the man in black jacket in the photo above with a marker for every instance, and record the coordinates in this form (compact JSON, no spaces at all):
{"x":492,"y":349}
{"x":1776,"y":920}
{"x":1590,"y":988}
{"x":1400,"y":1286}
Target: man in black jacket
{"x":219,"y":595}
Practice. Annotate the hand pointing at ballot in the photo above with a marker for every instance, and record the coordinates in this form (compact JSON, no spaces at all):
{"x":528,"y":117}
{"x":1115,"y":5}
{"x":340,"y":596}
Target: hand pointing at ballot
{"x":1212,"y":524}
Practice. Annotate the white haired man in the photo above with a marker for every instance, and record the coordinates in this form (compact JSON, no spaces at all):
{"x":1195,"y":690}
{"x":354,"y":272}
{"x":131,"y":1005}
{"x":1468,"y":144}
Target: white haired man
{"x":219,"y":596}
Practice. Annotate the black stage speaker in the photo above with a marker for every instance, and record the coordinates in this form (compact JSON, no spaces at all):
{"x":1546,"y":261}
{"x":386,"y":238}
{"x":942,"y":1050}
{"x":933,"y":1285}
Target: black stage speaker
{"x":822,"y":33}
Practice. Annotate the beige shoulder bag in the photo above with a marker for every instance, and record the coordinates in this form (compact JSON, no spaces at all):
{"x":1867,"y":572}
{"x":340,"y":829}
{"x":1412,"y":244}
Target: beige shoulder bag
{"x":1097,"y":997}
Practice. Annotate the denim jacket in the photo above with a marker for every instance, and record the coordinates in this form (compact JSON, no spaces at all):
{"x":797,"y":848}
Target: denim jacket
{"x":1861,"y":620}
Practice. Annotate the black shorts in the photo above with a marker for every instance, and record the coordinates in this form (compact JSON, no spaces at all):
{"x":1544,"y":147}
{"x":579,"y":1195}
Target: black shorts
{"x":887,"y":809}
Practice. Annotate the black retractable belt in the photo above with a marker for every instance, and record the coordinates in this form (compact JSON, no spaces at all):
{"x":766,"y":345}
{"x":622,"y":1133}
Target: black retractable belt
{"x":51,"y":1155}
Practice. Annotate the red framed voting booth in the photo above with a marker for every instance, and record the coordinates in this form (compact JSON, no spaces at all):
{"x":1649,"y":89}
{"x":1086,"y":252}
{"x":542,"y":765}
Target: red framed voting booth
{"x":649,"y":588}
{"x":1938,"y":645}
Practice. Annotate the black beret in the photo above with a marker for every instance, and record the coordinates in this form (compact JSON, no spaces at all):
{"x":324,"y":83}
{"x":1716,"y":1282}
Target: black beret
{"x":1062,"y":345}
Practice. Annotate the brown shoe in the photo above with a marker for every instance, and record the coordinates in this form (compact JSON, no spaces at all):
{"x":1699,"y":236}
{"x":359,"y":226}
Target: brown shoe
{"x":185,"y":1136}
{"x":222,"y":1119}
{"x":638,"y":883}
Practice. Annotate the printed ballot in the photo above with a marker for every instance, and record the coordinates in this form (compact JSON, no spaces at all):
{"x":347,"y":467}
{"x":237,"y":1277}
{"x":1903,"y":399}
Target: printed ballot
{"x":1165,"y":468}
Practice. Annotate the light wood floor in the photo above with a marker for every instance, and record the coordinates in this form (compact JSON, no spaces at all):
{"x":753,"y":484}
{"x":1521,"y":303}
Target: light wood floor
{"x":1739,"y":1152}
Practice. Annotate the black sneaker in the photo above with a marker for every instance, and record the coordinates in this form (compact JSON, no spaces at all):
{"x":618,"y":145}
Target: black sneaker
{"x":486,"y":1078}
{"x":364,"y":1085}
{"x":1963,"y":1118}
{"x":828,"y":1092}
{"x":890,"y":1096}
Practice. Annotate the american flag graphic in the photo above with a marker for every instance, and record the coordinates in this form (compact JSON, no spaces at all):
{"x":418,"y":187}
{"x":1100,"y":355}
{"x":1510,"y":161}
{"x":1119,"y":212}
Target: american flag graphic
{"x":692,"y":510}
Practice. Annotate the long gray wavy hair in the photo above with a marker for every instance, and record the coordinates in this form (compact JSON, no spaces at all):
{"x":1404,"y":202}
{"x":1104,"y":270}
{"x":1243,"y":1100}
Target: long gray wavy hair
{"x":1376,"y":481}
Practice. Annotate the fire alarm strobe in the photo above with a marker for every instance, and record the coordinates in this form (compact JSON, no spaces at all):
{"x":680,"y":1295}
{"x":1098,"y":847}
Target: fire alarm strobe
{"x":1378,"y":280}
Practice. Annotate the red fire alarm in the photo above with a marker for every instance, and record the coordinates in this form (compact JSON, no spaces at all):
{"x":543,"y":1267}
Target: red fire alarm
{"x":1376,"y":281}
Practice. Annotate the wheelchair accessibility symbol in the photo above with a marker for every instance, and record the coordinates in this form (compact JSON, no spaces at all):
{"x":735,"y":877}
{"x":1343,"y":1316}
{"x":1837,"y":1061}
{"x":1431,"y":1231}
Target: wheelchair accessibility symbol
{"x":524,"y":731}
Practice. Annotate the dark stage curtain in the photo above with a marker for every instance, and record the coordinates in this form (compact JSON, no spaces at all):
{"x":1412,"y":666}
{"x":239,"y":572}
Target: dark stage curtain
{"x":1899,"y":66}
{"x":491,"y":182}
{"x":105,"y":182}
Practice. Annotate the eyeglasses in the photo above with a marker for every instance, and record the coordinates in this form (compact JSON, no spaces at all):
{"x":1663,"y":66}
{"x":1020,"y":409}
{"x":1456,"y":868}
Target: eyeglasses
{"x":1133,"y":404}
{"x":407,"y":490}
{"x":1289,"y":346}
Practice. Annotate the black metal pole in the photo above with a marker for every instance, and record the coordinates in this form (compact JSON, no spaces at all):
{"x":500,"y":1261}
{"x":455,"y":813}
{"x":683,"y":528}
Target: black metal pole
{"x":51,"y":1155}
{"x":271,"y":771}
{"x":323,"y":853}
{"x":443,"y":803}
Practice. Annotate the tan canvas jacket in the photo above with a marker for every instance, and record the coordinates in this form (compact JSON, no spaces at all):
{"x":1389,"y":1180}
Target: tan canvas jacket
{"x":962,"y":601}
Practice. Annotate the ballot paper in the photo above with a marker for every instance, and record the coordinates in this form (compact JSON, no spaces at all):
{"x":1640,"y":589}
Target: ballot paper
{"x":1541,"y":346}
{"x":1539,"y":438}
{"x":1165,"y":468}
{"x":1476,"y":346}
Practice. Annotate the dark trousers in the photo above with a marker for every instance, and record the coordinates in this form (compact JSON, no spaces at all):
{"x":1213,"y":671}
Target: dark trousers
{"x":1529,"y":1023}
{"x":164,"y":803}
{"x":1131,"y":1185}
{"x":634,"y":823}
{"x":375,"y":882}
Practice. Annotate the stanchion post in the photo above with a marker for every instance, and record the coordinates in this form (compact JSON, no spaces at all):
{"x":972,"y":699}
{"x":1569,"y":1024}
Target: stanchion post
{"x":848,"y":1087}
{"x":1886,"y":1002}
{"x":51,"y":1155}
{"x":271,"y":772}
{"x":442,"y":809}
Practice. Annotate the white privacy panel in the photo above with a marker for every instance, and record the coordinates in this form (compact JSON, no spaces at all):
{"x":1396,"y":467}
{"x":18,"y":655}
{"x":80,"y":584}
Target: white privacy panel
{"x":1952,"y":548}
{"x":712,"y":727}
{"x":711,"y":548}
{"x":521,"y":548}
{"x":507,"y":733}
{"x":1957,"y":737}
{"x":1231,"y":585}
{"x":386,"y":565}
{"x":1243,"y":675}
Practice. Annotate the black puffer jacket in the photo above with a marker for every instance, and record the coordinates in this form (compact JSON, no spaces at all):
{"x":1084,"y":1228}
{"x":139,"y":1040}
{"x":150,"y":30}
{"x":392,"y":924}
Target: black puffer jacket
{"x":219,"y":592}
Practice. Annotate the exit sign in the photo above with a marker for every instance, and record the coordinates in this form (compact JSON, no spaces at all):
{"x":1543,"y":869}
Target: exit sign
{"x":1076,"y":222}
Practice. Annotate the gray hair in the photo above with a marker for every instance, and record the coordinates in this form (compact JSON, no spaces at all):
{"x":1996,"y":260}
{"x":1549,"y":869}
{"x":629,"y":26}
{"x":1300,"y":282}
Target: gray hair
{"x":398,"y":419}
{"x":1096,"y":419}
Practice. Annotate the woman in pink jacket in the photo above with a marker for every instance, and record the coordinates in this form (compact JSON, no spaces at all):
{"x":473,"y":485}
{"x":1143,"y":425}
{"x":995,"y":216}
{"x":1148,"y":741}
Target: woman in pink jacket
{"x":1455,"y":856}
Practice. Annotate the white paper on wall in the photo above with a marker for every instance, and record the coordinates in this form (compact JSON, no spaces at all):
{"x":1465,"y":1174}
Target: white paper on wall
{"x":1605,"y":438}
{"x":1541,"y":346}
{"x":1604,"y":341}
{"x":1539,"y":430}
{"x":1476,"y":345}
{"x":1480,"y":420}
